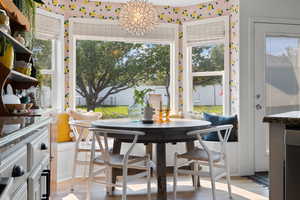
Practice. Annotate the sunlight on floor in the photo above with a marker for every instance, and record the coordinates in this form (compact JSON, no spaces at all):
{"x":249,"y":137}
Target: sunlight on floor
{"x":70,"y":197}
{"x":242,"y":189}
{"x":204,"y":184}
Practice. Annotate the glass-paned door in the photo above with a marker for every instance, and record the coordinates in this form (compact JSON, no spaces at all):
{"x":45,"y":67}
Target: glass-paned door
{"x":277,"y":80}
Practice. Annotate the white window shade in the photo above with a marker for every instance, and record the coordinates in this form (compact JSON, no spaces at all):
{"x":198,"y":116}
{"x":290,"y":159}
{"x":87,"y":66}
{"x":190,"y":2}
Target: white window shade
{"x":47,"y":25}
{"x":114,"y":30}
{"x":205,"y":31}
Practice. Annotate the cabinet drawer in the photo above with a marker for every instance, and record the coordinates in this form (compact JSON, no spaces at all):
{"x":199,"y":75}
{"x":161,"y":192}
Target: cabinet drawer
{"x":15,"y":166}
{"x":38,"y":149}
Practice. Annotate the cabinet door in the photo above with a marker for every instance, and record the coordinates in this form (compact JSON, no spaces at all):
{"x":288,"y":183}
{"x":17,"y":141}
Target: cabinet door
{"x":34,"y":185}
{"x":36,"y":191}
{"x":21,"y":193}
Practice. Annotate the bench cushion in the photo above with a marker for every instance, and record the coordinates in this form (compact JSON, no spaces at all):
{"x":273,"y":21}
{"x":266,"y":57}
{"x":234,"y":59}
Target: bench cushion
{"x":217,"y":120}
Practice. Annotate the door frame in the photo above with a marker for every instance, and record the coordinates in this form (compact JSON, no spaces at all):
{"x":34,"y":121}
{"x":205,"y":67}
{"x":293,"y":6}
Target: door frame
{"x":251,"y":64}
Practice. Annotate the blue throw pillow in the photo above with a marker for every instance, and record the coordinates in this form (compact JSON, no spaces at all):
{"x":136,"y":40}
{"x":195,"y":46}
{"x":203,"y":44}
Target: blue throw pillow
{"x":217,"y":120}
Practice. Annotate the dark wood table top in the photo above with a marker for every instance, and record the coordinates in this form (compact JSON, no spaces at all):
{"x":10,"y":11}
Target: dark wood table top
{"x":171,"y":132}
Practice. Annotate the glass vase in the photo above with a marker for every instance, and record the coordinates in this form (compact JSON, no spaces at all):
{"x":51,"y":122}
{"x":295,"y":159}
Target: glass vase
{"x":135,"y":112}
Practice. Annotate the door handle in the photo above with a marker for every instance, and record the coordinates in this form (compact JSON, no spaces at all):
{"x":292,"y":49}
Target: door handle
{"x":258,"y":107}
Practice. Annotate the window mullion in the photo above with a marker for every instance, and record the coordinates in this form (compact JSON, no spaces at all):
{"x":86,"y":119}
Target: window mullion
{"x":208,"y":73}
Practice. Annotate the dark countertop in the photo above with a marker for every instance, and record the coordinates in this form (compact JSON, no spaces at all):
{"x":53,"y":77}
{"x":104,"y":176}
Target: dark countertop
{"x":15,"y":129}
{"x":288,"y":118}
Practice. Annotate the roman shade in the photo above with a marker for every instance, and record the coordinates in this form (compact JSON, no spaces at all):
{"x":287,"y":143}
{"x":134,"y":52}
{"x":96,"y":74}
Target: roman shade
{"x":114,"y":30}
{"x":205,"y":31}
{"x":48,"y":25}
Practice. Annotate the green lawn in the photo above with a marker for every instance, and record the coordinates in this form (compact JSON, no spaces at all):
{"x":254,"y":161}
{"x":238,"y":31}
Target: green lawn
{"x":122,"y":111}
{"x":209,"y":109}
{"x":111,"y":111}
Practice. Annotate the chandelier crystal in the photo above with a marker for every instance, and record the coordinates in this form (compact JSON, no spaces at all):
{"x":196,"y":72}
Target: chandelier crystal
{"x":138,"y":17}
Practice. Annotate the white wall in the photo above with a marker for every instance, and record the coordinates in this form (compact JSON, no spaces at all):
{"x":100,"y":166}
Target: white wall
{"x":286,"y":9}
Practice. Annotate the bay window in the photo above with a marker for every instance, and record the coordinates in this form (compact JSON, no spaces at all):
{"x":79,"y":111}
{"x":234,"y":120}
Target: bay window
{"x":48,"y":58}
{"x":206,"y":57}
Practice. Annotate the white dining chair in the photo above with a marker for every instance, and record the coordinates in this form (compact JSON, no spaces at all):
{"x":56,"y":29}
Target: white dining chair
{"x":216,"y":161}
{"x":82,"y":145}
{"x":124,"y":162}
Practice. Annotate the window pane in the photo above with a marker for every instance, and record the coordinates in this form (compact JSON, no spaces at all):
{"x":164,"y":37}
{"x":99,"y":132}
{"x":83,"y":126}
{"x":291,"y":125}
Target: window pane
{"x":46,"y":91}
{"x":42,"y":53}
{"x":282,"y":74}
{"x":208,"y":94}
{"x":208,"y":58}
{"x":108,"y":72}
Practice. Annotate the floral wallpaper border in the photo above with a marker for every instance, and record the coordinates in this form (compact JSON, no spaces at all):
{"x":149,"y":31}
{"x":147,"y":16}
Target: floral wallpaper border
{"x":167,"y":14}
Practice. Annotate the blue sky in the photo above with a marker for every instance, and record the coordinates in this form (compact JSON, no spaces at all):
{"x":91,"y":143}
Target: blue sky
{"x":278,"y":45}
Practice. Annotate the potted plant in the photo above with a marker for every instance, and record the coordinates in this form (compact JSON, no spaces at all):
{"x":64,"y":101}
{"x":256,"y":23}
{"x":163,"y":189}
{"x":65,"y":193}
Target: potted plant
{"x":28,"y":8}
{"x":135,"y":110}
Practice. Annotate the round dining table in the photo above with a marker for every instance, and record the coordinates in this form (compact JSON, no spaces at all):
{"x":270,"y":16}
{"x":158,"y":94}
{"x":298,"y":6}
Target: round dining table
{"x":156,"y":133}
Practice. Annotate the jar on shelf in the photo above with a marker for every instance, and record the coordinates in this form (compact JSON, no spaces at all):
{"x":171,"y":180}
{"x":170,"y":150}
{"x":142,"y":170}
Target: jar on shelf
{"x":6,"y":53}
{"x":4,"y":22}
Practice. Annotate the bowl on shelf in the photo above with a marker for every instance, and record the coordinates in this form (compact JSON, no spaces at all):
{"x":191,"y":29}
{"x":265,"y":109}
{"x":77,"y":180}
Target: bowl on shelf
{"x":29,"y":106}
{"x":16,"y":107}
{"x":23,"y":67}
{"x":11,"y":99}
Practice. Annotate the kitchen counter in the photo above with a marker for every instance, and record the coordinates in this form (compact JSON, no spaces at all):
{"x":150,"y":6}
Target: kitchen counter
{"x":16,"y":130}
{"x":284,"y":130}
{"x":288,"y":118}
{"x":24,"y":157}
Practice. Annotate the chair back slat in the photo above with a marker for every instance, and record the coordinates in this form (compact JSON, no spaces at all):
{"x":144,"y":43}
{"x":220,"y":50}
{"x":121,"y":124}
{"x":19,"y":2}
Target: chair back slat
{"x":223,"y":139}
{"x":104,"y":134}
{"x":102,"y":131}
{"x":77,"y":127}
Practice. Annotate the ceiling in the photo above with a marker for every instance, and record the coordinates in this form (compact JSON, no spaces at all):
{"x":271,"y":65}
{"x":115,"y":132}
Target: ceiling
{"x":174,"y":3}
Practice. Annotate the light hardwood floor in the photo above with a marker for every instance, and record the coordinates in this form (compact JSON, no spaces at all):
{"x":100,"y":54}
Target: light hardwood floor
{"x":242,"y":189}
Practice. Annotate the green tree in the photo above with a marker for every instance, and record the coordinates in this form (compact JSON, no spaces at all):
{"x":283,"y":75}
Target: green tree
{"x":42,"y":56}
{"x":111,"y":67}
{"x":208,"y":58}
{"x":157,"y":57}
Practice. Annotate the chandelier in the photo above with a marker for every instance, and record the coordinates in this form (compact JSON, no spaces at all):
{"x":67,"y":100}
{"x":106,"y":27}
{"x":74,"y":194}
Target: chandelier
{"x":138,"y":17}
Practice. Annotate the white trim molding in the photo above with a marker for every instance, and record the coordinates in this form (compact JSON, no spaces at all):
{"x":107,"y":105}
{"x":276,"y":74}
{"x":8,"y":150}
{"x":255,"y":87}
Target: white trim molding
{"x":174,"y":60}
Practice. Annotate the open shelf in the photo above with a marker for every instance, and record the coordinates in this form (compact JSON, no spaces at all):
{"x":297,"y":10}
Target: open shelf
{"x":18,"y":47}
{"x":21,"y":81}
{"x":18,"y":20}
{"x":19,"y":77}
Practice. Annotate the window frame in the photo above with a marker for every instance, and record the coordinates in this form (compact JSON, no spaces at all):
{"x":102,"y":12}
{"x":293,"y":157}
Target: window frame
{"x":188,"y":71}
{"x":174,"y":57}
{"x":57,"y":62}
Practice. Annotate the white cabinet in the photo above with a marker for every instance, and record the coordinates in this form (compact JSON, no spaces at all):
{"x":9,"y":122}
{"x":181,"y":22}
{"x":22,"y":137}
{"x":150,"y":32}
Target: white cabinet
{"x":38,"y":149}
{"x":34,"y":185}
{"x":26,"y":164}
{"x":21,"y":193}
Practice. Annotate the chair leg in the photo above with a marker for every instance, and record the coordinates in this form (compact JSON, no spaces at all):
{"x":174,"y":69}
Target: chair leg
{"x":109,"y":180}
{"x":91,"y":167}
{"x":196,"y":168}
{"x":149,"y":177}
{"x":75,"y":163}
{"x":213,"y":184}
{"x":175,"y":176}
{"x":124,"y":192}
{"x":228,"y":178}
